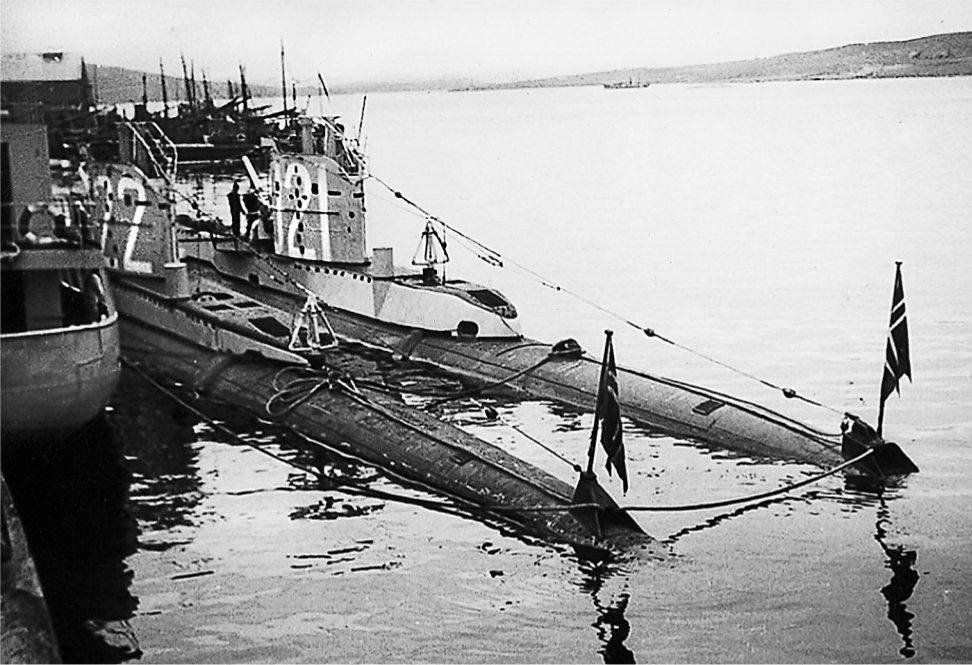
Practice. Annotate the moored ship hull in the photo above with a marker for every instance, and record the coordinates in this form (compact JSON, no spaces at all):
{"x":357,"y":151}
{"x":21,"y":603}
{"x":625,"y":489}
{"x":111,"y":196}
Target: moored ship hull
{"x":57,"y":381}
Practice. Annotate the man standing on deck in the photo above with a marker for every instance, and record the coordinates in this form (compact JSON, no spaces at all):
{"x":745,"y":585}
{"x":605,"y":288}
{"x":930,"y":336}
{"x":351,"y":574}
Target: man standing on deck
{"x":236,"y":210}
{"x":251,"y":206}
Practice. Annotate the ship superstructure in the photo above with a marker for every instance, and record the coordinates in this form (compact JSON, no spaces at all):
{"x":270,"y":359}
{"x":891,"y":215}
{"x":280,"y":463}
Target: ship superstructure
{"x":315,"y":196}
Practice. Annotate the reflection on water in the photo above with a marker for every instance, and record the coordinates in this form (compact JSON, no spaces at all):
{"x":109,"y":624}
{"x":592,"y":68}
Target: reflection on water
{"x":860,"y":491}
{"x":613,"y":629}
{"x":159,"y":450}
{"x":611,"y":625}
{"x":904,"y":578}
{"x":72,"y":499}
{"x":721,"y":518}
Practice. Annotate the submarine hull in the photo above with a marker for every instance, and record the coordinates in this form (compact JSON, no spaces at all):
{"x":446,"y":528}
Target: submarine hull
{"x":371,"y":426}
{"x":668,"y":405}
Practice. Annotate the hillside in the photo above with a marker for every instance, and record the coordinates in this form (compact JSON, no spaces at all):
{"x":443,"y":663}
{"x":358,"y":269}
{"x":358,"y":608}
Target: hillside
{"x":937,"y":55}
{"x":116,"y":85}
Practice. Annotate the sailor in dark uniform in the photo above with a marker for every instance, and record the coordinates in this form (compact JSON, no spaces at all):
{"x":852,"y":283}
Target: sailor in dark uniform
{"x":236,"y":210}
{"x":251,"y":204}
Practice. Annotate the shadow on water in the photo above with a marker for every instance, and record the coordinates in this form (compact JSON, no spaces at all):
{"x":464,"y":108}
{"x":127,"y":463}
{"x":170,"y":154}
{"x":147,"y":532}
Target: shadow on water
{"x":612,"y":627}
{"x":158,"y":444}
{"x":73,"y":501}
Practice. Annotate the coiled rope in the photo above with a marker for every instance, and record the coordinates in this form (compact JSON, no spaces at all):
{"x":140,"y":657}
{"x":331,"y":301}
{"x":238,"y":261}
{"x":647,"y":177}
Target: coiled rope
{"x":305,"y":381}
{"x":346,"y":487}
{"x":303,"y":384}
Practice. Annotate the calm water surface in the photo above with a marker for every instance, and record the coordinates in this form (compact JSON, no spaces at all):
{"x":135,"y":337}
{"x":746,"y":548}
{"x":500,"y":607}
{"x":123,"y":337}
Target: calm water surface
{"x":757,"y":223}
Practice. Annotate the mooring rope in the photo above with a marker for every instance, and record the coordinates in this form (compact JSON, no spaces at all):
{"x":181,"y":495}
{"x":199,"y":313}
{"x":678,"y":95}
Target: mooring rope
{"x":576,"y":467}
{"x":488,"y":386}
{"x":700,"y":506}
{"x":497,"y":259}
{"x":456,"y":502}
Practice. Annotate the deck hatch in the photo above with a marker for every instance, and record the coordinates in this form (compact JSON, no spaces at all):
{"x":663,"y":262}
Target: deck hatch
{"x":270,"y":326}
{"x":487,"y":297}
{"x":707,"y":407}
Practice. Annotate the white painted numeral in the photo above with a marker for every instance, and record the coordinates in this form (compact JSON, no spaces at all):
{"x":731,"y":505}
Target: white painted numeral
{"x":124,"y":184}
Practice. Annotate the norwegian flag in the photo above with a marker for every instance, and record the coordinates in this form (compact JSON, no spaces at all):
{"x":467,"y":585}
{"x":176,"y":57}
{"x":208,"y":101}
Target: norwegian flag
{"x":609,"y":411}
{"x":897,"y":360}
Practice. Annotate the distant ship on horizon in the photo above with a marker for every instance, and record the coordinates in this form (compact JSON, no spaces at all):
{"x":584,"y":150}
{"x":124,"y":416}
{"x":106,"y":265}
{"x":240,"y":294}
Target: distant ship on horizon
{"x":621,"y":85}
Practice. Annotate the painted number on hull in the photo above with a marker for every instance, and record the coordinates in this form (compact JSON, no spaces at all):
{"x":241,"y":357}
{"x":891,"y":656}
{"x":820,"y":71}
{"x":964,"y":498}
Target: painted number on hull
{"x":125,"y":184}
{"x":295,"y":180}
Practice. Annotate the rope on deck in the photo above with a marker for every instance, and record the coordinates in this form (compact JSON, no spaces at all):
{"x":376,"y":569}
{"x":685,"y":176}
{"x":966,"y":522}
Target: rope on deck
{"x":347,"y":488}
{"x":488,"y":386}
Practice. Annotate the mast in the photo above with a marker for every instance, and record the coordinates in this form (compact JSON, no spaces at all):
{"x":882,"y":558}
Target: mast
{"x":192,"y":74}
{"x":145,"y":90}
{"x":283,"y":77}
{"x":165,"y":94}
{"x":185,"y":78}
{"x":229,"y":90}
{"x":206,"y":98}
{"x":94,"y":83}
{"x":592,"y":449}
{"x":364,"y":103}
{"x":243,"y":90}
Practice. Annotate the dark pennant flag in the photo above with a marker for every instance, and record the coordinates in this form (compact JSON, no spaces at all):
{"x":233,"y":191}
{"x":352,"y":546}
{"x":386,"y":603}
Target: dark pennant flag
{"x":897,"y":362}
{"x":609,"y":411}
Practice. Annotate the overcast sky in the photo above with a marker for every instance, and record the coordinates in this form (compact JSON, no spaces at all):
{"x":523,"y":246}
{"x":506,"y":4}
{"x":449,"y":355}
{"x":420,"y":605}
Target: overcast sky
{"x":358,"y":41}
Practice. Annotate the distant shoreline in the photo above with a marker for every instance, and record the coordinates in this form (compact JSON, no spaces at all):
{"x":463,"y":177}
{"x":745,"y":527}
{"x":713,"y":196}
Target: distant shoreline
{"x":934,"y":56}
{"x":493,"y":88}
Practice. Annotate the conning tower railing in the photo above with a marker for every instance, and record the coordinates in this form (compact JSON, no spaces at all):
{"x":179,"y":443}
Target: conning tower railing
{"x":145,"y":145}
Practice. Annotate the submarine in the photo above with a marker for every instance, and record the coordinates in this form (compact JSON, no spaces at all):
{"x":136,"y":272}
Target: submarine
{"x":183,"y":331}
{"x":313,"y":202}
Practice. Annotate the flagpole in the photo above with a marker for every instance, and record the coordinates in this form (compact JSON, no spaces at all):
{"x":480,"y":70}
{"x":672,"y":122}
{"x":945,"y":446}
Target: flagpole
{"x":597,"y":404}
{"x":880,"y":422}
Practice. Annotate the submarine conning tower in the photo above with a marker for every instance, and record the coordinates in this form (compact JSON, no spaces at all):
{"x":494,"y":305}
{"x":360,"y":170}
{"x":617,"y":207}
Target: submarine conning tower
{"x":317,"y":197}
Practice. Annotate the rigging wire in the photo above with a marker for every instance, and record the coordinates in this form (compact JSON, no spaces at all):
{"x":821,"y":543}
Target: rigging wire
{"x":499,"y":260}
{"x":495,"y":258}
